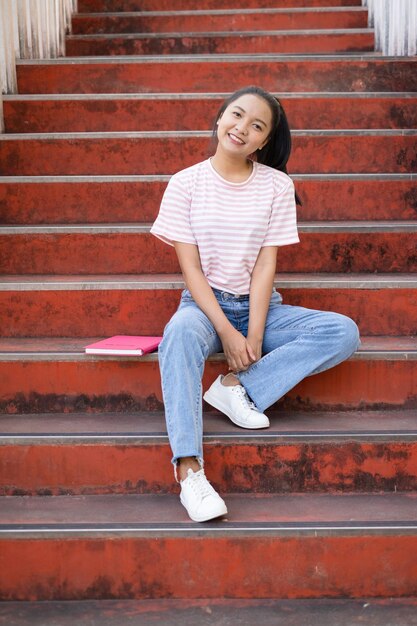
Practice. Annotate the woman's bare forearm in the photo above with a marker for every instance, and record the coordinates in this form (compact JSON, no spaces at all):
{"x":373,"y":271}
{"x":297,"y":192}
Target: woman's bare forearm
{"x":197,"y":284}
{"x":261,"y":285}
{"x":203,"y":295}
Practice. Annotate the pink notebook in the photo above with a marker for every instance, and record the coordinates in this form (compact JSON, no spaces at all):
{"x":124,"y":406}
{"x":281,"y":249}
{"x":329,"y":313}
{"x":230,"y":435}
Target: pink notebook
{"x":124,"y":344}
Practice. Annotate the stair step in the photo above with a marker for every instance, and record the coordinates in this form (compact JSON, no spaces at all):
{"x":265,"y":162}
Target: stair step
{"x":364,"y":226}
{"x":141,"y":112}
{"x":72,"y":349}
{"x":281,"y":41}
{"x":100,"y":199}
{"x":253,"y":513}
{"x":296,"y":73}
{"x":127,"y":249}
{"x":239,"y":557}
{"x":100,"y":6}
{"x":376,"y":612}
{"x":78,"y":306}
{"x":148,"y":427}
{"x":369,"y":451}
{"x":220,"y":20}
{"x":345,"y":151}
{"x":55,"y":375}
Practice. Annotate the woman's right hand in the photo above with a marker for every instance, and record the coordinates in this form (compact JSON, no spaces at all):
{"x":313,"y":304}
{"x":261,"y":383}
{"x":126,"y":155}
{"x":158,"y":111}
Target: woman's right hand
{"x":239,"y":354}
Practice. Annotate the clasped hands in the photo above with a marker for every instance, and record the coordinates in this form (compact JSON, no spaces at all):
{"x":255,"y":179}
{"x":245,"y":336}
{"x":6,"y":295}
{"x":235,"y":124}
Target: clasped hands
{"x":240,"y":351}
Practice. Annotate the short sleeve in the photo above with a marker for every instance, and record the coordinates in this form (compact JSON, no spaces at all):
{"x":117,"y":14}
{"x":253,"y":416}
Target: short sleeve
{"x":173,"y":221}
{"x":282,"y":228}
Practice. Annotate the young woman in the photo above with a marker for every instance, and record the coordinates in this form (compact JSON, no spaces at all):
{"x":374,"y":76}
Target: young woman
{"x":226,"y":218}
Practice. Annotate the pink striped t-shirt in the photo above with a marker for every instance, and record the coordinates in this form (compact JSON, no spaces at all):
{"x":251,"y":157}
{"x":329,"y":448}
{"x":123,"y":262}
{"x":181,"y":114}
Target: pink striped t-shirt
{"x":229,"y":222}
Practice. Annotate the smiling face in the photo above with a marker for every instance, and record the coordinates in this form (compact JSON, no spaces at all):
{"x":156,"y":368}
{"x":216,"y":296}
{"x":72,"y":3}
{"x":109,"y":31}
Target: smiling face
{"x":245,"y":126}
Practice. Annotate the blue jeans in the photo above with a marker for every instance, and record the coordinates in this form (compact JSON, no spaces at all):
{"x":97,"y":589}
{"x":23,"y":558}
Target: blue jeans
{"x":297,"y":342}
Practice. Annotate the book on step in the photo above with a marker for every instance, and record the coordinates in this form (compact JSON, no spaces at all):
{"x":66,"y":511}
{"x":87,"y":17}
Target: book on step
{"x":134,"y":345}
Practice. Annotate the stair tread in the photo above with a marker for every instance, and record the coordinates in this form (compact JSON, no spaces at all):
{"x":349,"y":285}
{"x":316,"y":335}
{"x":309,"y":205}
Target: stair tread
{"x":149,"y":426}
{"x":329,"y":226}
{"x":208,"y":95}
{"x":51,"y":348}
{"x":247,"y":512}
{"x":213,"y":611}
{"x":104,"y":6}
{"x":213,"y":58}
{"x":226,"y":33}
{"x":185,"y":134}
{"x":175,"y":281}
{"x":230,"y":11}
{"x":93,"y":178}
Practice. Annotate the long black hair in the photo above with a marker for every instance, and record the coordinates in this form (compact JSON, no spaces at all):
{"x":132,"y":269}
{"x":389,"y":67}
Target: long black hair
{"x":277,"y":150}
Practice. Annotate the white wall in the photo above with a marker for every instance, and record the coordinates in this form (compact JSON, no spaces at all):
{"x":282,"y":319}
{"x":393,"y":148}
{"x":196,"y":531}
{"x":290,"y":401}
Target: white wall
{"x":395,"y":23}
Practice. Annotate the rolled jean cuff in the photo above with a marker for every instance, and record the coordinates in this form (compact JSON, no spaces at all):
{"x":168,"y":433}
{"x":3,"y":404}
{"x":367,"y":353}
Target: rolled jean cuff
{"x":241,"y":377}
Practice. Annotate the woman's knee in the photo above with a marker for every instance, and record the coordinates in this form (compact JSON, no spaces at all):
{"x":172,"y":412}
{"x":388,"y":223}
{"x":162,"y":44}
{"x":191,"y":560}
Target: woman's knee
{"x":183,"y":331}
{"x":347,"y":332}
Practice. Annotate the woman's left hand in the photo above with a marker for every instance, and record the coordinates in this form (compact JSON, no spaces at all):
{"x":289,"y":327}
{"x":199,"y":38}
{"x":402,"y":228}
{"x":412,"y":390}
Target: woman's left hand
{"x":256,"y":345}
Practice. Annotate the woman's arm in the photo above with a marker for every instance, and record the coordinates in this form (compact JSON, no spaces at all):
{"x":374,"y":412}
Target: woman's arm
{"x":261,"y":285}
{"x":238,"y":353}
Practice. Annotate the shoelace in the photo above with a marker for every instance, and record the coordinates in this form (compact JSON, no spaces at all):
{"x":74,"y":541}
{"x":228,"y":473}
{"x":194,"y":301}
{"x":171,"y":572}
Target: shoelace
{"x":200,"y":484}
{"x":241,"y":392}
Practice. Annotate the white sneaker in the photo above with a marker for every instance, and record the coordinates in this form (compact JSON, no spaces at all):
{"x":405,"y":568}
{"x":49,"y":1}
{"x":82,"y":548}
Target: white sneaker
{"x":199,"y":498}
{"x":234,"y":402}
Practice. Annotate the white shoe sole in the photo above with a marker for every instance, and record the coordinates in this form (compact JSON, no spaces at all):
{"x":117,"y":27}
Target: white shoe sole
{"x":208,"y":397}
{"x":222,"y":511}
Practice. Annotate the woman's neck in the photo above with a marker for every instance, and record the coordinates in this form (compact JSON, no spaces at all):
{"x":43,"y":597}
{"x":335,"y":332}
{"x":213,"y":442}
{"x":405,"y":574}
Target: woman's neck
{"x":232,"y":169}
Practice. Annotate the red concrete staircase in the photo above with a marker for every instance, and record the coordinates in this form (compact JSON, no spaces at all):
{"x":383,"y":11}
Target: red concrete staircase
{"x":323,"y":504}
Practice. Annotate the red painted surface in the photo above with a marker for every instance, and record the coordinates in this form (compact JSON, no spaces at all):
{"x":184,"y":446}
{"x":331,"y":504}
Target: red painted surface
{"x":357,"y":200}
{"x":83,"y":24}
{"x":337,"y":153}
{"x":83,"y":202}
{"x":236,"y":44}
{"x":82,"y":313}
{"x":218,"y":76}
{"x":233,"y":567}
{"x":198,"y":114}
{"x":105,"y":386}
{"x":56,"y":469}
{"x":184,"y":5}
{"x":377,"y":312}
{"x":144,"y":253}
{"x":112,"y":202}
